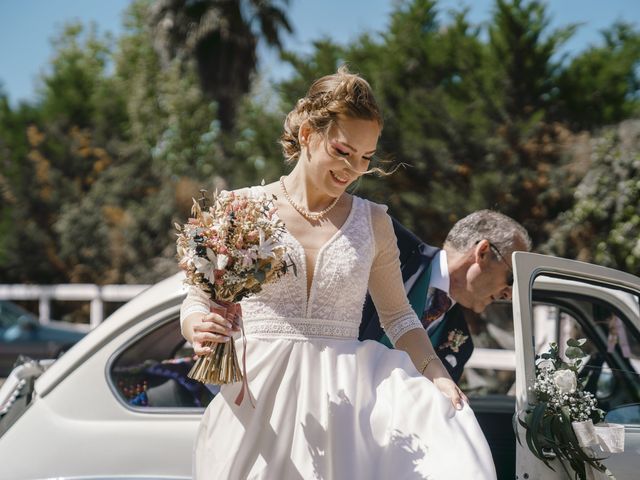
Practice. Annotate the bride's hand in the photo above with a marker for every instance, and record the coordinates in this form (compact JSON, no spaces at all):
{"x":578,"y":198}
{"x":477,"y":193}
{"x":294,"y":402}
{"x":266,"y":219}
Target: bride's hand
{"x":214,"y":327}
{"x":451,"y":390}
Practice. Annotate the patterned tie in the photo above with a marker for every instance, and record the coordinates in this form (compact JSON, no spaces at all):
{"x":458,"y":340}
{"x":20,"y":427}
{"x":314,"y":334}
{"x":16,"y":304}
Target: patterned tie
{"x":438,"y":302}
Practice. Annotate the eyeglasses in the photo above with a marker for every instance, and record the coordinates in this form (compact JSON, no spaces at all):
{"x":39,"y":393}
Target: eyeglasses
{"x":501,"y":257}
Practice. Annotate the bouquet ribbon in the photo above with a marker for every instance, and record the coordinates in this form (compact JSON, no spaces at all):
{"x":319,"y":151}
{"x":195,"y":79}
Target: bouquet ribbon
{"x":609,"y":437}
{"x":598,"y":439}
{"x":245,"y":383}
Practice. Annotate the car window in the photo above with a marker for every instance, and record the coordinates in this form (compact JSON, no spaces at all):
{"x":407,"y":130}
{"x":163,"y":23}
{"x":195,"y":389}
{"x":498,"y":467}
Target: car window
{"x":609,"y":320}
{"x":491,"y":369}
{"x":151,"y":372}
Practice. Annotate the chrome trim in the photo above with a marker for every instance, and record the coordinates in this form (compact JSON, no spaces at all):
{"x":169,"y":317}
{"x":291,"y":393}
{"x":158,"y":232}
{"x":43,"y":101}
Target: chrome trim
{"x":17,"y":379}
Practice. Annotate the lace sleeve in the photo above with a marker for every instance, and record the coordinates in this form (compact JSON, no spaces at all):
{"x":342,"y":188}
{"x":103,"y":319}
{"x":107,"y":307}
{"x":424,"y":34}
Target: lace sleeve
{"x":385,"y":279}
{"x":196,"y":301}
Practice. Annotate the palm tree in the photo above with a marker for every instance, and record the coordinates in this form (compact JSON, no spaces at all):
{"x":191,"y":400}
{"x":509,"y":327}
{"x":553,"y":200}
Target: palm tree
{"x":222,"y":37}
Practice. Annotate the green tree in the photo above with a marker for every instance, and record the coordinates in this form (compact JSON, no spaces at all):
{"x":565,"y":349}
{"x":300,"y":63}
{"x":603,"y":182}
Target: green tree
{"x":170,"y":137}
{"x":13,"y":174}
{"x":470,"y":119}
{"x":122,"y":136}
{"x":100,"y":186}
{"x":603,"y":225}
{"x":601,"y":86}
{"x":53,"y":153}
{"x":523,"y":58}
{"x":222,"y":37}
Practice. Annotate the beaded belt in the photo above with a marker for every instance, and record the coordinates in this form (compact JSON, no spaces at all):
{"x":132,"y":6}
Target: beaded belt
{"x":301,"y":328}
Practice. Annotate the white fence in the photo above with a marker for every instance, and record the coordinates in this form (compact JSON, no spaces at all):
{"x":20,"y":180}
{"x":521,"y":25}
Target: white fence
{"x":95,"y":294}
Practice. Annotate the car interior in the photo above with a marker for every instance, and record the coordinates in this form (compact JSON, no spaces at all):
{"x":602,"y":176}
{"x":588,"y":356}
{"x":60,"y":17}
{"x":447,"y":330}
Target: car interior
{"x":151,"y":371}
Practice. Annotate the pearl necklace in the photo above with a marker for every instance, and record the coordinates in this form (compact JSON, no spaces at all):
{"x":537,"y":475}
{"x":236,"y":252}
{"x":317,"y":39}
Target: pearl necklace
{"x":313,"y":216}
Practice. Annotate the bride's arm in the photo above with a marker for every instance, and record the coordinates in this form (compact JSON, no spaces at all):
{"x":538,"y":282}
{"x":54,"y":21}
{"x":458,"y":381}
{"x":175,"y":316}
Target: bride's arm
{"x":194,"y":307}
{"x":397,"y":318}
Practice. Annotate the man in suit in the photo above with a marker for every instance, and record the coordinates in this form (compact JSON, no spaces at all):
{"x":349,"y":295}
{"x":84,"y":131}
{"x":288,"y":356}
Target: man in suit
{"x":472,"y":269}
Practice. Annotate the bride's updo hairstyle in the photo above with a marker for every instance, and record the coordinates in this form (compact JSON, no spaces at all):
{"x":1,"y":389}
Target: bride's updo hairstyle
{"x":342,"y":93}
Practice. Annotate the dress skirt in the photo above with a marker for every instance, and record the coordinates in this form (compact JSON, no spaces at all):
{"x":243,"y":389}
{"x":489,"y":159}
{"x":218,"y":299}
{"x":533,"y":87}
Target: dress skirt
{"x":331,"y":408}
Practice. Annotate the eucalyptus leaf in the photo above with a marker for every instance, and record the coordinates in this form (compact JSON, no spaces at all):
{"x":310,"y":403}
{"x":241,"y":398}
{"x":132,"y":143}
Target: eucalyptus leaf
{"x":572,"y":342}
{"x":574,"y":353}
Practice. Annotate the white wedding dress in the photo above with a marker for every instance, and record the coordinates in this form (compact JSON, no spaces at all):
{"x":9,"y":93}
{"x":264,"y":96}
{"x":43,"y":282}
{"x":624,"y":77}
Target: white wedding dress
{"x":328,"y":406}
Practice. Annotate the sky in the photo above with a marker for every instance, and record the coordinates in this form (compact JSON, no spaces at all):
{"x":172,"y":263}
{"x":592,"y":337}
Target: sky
{"x":27,"y":26}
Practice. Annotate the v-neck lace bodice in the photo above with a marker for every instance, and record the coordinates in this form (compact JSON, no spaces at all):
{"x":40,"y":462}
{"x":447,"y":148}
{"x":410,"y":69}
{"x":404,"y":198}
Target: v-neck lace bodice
{"x":336,"y":297}
{"x":312,"y":260}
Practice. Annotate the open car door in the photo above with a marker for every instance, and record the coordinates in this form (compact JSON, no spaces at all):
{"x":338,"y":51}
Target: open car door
{"x":601,"y":305}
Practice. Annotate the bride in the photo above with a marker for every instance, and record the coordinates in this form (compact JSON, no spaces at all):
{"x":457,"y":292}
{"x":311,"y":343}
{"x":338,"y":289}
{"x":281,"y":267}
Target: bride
{"x":326,"y":405}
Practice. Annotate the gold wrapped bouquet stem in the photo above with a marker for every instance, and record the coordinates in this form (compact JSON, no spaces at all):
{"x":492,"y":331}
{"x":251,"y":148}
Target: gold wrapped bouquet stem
{"x":221,"y":366}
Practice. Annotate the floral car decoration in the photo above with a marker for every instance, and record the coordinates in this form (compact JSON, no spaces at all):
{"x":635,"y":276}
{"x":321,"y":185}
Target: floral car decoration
{"x":565,"y":419}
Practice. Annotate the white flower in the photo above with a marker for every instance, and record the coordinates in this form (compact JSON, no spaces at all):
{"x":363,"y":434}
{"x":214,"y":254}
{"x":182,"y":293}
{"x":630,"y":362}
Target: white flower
{"x":207,"y":266}
{"x":565,"y":380}
{"x":266,"y":247}
{"x":546,"y":364}
{"x":221,"y":261}
{"x":248,"y":256}
{"x":207,"y":218}
{"x":187,"y":256}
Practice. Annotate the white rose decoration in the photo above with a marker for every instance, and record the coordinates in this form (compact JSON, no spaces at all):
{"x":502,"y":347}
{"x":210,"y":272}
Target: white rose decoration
{"x":565,"y":380}
{"x":546,"y":364}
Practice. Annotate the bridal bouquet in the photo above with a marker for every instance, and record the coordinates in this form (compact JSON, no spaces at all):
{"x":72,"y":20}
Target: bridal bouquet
{"x":563,"y":415}
{"x":230,"y":248}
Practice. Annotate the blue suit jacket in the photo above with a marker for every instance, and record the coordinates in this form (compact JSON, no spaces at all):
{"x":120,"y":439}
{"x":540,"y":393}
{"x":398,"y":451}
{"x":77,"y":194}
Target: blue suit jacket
{"x":415,"y":259}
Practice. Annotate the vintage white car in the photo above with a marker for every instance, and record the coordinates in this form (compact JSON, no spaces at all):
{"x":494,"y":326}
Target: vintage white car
{"x":119,"y":405}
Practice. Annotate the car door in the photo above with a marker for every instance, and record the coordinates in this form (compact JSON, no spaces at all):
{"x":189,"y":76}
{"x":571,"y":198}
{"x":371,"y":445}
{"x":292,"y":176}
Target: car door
{"x":596,"y":303}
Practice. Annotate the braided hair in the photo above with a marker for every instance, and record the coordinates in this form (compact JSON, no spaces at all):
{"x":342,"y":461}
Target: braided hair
{"x":342,"y":93}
